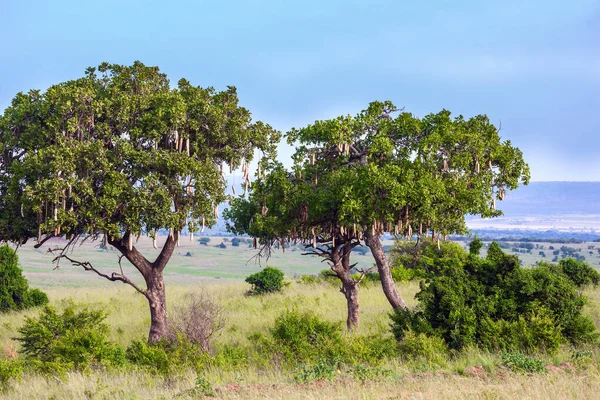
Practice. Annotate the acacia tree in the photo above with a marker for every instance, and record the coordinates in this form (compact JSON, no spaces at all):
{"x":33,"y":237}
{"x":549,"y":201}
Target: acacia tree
{"x":402,"y":175}
{"x":117,"y":154}
{"x":277,"y":212}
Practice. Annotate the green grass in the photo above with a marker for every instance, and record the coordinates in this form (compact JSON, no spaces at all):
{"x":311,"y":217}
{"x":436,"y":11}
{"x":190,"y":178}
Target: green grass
{"x":470,"y":374}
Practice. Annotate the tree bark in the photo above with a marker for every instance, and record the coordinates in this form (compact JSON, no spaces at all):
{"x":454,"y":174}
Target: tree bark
{"x":387,"y":283}
{"x":155,"y":285}
{"x":340,"y":257}
{"x":159,"y":327}
{"x":350,"y":290}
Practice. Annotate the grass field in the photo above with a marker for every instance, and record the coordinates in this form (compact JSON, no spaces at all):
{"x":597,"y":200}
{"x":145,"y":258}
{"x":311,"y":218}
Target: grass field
{"x":471,"y":374}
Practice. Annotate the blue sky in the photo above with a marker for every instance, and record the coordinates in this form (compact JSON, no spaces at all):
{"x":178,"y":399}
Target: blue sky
{"x":534,"y":65}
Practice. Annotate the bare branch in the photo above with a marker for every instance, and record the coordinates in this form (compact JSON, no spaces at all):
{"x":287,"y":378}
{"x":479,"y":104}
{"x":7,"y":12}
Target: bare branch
{"x":87,"y":266}
{"x":62,"y":250}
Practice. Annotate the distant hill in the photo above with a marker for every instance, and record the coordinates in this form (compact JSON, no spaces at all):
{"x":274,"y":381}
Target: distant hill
{"x":547,"y":206}
{"x":552,"y":198}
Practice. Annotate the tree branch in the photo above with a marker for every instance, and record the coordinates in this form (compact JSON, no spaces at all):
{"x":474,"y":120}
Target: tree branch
{"x":44,"y":240}
{"x":87,"y":266}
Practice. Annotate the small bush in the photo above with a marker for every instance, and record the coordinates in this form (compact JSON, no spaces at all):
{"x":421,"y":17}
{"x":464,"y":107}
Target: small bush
{"x":518,"y":362}
{"x":229,"y":357}
{"x":75,"y":335}
{"x":202,"y":387}
{"x":199,"y":319}
{"x":305,"y":338}
{"x":583,"y":359}
{"x":36,"y":298}
{"x":10,"y":369}
{"x":14,"y":289}
{"x":268,"y":280}
{"x":423,"y":348}
{"x":531,"y":333}
{"x":152,"y":356}
{"x":579,"y":272}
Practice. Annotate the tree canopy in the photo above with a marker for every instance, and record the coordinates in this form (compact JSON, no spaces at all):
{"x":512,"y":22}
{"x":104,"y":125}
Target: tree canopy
{"x":383,"y":170}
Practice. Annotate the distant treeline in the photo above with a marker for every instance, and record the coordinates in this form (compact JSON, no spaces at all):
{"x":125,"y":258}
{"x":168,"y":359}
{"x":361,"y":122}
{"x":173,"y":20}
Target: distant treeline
{"x":524,"y":239}
{"x":549,"y":236}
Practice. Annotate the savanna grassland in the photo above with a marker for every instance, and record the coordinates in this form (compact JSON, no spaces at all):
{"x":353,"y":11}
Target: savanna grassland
{"x":238,"y":367}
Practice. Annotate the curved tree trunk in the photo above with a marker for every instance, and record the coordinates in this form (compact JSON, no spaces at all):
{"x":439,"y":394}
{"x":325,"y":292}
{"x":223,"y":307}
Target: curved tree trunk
{"x":350,"y":290}
{"x":159,"y":327}
{"x":387,"y":283}
{"x":155,"y":284}
{"x":340,"y":257}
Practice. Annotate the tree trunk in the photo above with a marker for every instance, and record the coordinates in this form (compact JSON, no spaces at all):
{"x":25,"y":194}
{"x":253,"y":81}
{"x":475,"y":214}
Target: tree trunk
{"x":155,"y":284}
{"x":350,"y":290}
{"x":159,"y":327}
{"x":387,"y":283}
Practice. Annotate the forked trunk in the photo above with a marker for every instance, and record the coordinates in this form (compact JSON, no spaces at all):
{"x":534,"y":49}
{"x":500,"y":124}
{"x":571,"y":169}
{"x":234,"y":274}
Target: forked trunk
{"x":155,"y":284}
{"x":387,"y":283}
{"x":159,"y":327}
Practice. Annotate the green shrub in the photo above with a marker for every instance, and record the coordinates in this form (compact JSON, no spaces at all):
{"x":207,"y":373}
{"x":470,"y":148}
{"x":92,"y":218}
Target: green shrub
{"x":10,"y":369}
{"x":146,"y":355}
{"x":228,"y":357}
{"x":369,"y":349}
{"x":583,"y":358}
{"x":54,"y":369}
{"x":532,"y":333}
{"x":77,"y":336}
{"x":305,"y":338}
{"x":36,"y":298}
{"x":202,"y":387}
{"x":518,"y":362}
{"x":14,"y":289}
{"x":268,"y":280}
{"x":579,"y":272}
{"x":495,"y":304}
{"x":423,"y":348}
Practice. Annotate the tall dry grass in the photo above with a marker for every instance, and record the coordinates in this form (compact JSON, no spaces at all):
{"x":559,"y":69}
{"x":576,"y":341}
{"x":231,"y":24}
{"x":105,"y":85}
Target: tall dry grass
{"x":129,"y":320}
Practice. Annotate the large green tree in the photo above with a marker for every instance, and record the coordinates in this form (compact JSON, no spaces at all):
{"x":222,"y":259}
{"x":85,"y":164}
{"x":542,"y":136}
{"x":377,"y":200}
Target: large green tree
{"x":116,"y":154}
{"x":385,"y":170}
